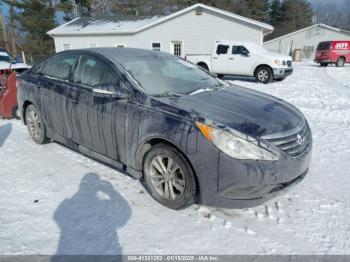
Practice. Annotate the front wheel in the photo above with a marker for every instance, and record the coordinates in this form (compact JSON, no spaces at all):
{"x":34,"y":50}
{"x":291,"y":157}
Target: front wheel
{"x":324,"y":64}
{"x":264,"y":75}
{"x":340,"y":62}
{"x":35,"y":125}
{"x":169,"y":177}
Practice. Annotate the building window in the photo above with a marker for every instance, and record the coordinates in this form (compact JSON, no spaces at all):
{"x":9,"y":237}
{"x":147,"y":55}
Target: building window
{"x":66,"y":47}
{"x":156,"y":47}
{"x":92,"y":45}
{"x":177,"y":48}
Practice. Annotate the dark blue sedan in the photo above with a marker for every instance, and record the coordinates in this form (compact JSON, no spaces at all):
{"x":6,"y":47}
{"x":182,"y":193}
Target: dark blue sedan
{"x":188,"y":136}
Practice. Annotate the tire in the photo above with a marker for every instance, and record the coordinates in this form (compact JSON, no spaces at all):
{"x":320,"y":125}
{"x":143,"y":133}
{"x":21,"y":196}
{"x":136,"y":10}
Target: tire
{"x":203,"y":66}
{"x":340,"y":62}
{"x":324,"y":64}
{"x":175,"y":189}
{"x":263,"y":74}
{"x":280,"y":79}
{"x":35,"y":125}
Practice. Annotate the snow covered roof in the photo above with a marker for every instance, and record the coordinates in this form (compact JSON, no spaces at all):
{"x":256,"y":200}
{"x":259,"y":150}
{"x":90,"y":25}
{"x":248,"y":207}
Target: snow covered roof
{"x":307,"y":28}
{"x":131,"y":25}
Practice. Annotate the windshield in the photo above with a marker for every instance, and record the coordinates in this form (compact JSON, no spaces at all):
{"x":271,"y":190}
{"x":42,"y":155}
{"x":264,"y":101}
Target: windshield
{"x":324,"y":46}
{"x":162,"y":75}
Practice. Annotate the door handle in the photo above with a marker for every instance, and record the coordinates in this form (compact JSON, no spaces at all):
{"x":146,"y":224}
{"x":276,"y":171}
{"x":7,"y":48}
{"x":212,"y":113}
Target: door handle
{"x":215,"y":57}
{"x":73,"y":100}
{"x":231,"y":58}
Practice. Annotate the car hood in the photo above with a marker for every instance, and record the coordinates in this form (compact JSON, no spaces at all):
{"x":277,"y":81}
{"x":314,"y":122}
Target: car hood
{"x":247,"y":111}
{"x":274,"y":56}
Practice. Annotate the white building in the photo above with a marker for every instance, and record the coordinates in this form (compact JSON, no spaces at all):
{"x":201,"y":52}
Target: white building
{"x":306,"y":39}
{"x":193,"y":30}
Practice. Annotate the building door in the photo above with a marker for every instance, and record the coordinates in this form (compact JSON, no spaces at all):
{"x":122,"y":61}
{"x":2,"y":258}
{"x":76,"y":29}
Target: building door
{"x":176,"y":48}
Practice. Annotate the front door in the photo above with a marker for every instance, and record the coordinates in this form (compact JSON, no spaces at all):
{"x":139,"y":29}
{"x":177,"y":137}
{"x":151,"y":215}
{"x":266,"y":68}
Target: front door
{"x":99,"y":121}
{"x":241,"y":60}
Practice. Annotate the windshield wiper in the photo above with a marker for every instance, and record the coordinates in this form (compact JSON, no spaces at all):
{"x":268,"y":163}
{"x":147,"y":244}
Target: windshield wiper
{"x":207,"y":89}
{"x":168,"y":94}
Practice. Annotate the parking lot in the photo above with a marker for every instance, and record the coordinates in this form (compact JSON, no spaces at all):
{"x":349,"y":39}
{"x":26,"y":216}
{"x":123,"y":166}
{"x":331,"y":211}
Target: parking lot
{"x":55,"y":201}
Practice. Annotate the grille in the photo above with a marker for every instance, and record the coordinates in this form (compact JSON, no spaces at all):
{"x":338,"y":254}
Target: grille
{"x":289,"y":63}
{"x":294,"y":144}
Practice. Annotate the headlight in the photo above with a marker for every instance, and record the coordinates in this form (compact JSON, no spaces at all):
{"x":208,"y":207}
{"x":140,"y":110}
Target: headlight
{"x":234,"y":146}
{"x":278,"y":62}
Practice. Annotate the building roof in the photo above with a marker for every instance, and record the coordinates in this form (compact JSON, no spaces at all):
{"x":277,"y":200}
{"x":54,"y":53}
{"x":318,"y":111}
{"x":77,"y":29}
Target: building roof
{"x":132,"y":25}
{"x":307,"y":28}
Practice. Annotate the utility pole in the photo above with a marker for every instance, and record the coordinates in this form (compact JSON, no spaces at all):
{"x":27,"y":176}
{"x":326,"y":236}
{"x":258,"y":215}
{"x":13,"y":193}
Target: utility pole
{"x":4,"y":31}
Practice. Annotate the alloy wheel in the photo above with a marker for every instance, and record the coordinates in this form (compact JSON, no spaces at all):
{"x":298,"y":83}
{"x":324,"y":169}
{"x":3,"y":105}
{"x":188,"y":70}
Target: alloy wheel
{"x":263,"y":75}
{"x":34,"y":124}
{"x":167,"y":177}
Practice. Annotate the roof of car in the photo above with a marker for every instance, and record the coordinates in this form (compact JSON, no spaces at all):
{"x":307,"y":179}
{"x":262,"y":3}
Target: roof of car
{"x":117,"y":54}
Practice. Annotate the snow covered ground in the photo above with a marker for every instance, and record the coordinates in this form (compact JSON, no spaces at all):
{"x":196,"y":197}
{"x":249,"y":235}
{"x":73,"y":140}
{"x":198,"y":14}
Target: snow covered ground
{"x":55,"y":201}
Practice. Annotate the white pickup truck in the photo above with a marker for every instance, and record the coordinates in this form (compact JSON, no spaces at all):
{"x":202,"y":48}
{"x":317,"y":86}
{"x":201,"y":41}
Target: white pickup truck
{"x":244,"y":59}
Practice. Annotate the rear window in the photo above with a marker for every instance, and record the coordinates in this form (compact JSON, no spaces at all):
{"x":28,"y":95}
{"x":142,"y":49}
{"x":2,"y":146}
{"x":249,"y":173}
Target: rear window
{"x":324,"y":46}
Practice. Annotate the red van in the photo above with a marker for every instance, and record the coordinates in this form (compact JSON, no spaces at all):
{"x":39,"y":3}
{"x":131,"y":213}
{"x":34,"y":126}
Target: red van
{"x":333,"y":52}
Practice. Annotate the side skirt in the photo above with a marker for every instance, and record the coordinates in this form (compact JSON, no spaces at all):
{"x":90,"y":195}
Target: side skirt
{"x":94,"y":155}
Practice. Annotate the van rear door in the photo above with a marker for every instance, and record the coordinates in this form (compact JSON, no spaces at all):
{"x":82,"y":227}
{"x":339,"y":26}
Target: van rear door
{"x":322,"y":51}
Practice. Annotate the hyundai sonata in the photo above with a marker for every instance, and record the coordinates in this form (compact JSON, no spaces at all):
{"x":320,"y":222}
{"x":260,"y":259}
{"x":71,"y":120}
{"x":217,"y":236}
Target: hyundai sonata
{"x":188,"y":136}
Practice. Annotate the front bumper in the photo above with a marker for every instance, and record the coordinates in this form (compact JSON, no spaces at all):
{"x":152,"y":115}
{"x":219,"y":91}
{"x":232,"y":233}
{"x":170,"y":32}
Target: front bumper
{"x":230,"y":183}
{"x":281,"y":73}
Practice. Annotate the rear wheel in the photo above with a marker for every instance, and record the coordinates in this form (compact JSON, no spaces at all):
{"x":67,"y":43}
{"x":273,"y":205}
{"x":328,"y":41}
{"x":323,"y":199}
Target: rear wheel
{"x":169,"y":177}
{"x":264,"y":74}
{"x":340,"y":62}
{"x":35,"y":125}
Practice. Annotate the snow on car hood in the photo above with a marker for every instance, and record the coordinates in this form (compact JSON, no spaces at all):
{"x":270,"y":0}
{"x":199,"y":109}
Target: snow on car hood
{"x":5,"y":65}
{"x":247,"y":111}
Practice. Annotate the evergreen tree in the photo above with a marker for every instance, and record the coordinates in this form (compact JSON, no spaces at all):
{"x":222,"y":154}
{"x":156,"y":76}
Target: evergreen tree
{"x":275,"y":12}
{"x":35,"y":18}
{"x":258,"y":10}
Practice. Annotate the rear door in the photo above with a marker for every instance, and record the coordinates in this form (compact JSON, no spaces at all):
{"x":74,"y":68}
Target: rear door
{"x":54,"y":80}
{"x":98,"y":121}
{"x":221,"y":60}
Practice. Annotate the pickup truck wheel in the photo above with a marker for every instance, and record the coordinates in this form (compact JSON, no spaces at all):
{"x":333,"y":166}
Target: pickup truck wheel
{"x":340,"y":62}
{"x":264,"y":74}
{"x":324,"y":64}
{"x":169,"y":178}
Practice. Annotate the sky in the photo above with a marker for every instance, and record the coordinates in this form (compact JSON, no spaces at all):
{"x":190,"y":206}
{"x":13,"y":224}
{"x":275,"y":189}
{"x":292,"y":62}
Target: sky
{"x":313,"y":2}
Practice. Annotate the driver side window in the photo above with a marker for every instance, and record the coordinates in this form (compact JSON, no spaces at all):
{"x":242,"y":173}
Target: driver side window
{"x":239,"y":50}
{"x":94,"y":73}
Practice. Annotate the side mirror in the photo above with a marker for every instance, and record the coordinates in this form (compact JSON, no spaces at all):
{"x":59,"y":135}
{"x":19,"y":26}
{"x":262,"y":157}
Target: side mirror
{"x":245,"y":53}
{"x":120,"y":94}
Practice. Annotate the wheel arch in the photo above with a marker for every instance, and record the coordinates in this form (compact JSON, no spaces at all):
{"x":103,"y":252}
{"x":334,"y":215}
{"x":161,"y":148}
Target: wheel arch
{"x":342,"y":56}
{"x":149,"y":143}
{"x":203,"y":64}
{"x":263,"y":65}
{"x":24,"y":108}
